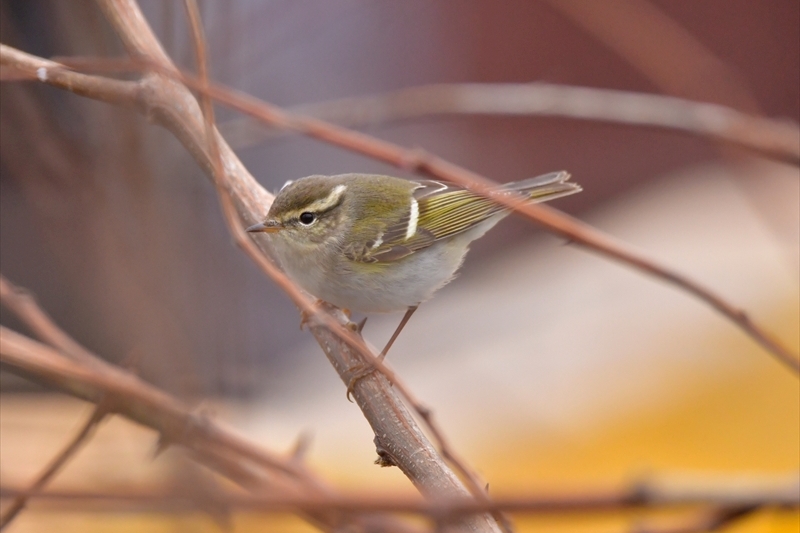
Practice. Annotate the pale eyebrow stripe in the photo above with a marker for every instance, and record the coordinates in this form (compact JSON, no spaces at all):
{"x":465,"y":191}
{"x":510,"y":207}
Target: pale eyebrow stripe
{"x":329,"y":201}
{"x":413,"y":218}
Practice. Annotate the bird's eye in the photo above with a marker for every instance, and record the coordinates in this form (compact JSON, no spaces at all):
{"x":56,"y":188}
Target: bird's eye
{"x":307,"y":218}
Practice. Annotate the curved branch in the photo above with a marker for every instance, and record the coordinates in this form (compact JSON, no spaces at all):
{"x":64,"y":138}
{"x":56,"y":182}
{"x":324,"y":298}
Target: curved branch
{"x":553,"y":220}
{"x":772,"y":138}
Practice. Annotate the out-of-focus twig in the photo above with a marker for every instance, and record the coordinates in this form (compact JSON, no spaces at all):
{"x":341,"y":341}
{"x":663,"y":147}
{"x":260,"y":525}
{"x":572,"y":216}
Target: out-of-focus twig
{"x":24,"y":305}
{"x":703,"y":522}
{"x":774,"y":138}
{"x":726,"y":492}
{"x":778,"y":139}
{"x":144,"y":404}
{"x":210,"y":442}
{"x":83,"y":435}
{"x":661,"y":48}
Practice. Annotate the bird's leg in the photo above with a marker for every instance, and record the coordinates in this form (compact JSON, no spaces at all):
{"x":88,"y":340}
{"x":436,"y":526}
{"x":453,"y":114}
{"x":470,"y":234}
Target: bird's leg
{"x":409,"y":312}
{"x":363,"y":370}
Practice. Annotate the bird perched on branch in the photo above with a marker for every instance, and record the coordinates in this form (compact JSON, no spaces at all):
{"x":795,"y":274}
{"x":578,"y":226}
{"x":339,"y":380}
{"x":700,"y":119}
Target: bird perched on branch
{"x":374,"y":243}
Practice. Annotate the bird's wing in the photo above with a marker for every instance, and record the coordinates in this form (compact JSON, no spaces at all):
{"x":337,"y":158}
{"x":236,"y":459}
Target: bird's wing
{"x":437,"y":211}
{"x":441,"y":210}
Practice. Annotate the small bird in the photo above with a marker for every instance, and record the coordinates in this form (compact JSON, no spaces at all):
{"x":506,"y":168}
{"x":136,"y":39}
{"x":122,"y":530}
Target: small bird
{"x":377,"y":244}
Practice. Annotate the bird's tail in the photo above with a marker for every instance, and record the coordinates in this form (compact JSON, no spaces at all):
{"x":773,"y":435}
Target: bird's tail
{"x":546,"y":187}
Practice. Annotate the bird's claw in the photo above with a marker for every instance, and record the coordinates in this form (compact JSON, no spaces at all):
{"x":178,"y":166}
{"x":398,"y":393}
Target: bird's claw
{"x":357,"y":373}
{"x":305,"y":316}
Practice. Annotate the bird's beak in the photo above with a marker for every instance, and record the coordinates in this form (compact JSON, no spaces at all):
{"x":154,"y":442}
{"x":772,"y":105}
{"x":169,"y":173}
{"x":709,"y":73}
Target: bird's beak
{"x":268,"y":226}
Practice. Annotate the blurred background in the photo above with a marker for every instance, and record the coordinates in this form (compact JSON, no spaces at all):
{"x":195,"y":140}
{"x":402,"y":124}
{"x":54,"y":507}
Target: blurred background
{"x":549,"y":367}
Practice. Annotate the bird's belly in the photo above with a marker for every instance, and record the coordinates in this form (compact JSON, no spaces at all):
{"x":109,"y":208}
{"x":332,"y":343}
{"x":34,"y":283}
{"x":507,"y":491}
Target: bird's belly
{"x":386,"y":287}
{"x":379,"y":287}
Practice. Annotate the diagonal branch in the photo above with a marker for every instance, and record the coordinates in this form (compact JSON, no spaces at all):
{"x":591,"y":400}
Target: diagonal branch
{"x":439,"y":474}
{"x":553,"y":220}
{"x":419,"y":161}
{"x":170,"y":104}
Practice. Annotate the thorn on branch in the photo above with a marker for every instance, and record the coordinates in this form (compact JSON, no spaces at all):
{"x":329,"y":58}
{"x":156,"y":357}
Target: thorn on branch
{"x":301,"y":447}
{"x":424,"y":412}
{"x":162,"y":444}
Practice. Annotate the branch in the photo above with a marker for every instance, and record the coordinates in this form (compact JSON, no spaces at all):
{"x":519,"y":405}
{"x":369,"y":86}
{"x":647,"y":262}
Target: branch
{"x":211,"y":443}
{"x":169,"y":103}
{"x":83,"y":435}
{"x":728,"y":492}
{"x":553,"y":220}
{"x":24,"y":305}
{"x":243,"y":189}
{"x":776,"y":139}
{"x":156,"y":97}
{"x":410,"y":444}
{"x":440,"y":168}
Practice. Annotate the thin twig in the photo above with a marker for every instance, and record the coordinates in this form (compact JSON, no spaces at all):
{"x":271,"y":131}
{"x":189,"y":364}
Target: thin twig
{"x":35,"y":315}
{"x":23,"y":304}
{"x":55,"y":465}
{"x":215,"y":445}
{"x":772,"y":138}
{"x":726,"y":493}
{"x":557,"y":222}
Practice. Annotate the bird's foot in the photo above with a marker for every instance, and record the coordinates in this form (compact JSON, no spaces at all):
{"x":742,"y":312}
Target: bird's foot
{"x":305,"y":316}
{"x":357,"y":373}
